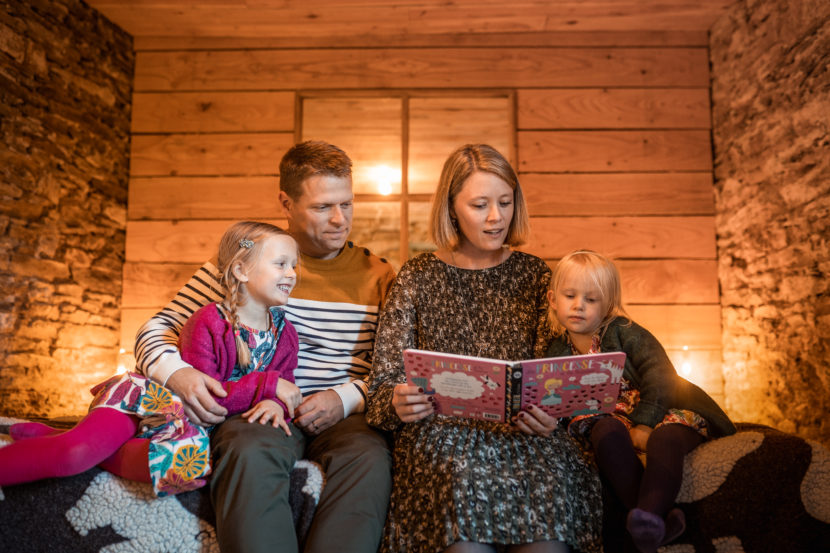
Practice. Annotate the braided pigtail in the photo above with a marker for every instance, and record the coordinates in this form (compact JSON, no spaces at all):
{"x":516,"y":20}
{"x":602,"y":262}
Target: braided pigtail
{"x":239,"y":249}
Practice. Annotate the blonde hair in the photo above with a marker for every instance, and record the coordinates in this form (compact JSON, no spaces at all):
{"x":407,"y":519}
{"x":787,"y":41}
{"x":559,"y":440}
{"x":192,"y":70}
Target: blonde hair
{"x":602,"y":272}
{"x":241,"y":245}
{"x":461,"y":164}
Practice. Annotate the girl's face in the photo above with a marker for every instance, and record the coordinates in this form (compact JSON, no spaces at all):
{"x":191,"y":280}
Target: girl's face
{"x":578,"y":304}
{"x":271,"y":278}
{"x":483,"y":208}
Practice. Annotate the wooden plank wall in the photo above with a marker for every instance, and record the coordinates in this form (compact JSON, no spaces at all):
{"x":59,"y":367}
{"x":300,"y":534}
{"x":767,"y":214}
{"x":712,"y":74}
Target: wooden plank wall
{"x":613,"y":151}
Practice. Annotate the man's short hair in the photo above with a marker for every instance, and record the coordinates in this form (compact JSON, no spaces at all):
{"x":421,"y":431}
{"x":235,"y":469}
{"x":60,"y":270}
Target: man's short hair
{"x":310,"y":158}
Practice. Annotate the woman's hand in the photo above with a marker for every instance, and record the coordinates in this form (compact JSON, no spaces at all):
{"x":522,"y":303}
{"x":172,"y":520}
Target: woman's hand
{"x":639,"y":436}
{"x":267,"y":410}
{"x":411,"y":403}
{"x":289,"y":394}
{"x":535,"y":422}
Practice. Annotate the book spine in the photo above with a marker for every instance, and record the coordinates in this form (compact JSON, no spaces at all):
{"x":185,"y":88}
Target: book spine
{"x":513,"y":397}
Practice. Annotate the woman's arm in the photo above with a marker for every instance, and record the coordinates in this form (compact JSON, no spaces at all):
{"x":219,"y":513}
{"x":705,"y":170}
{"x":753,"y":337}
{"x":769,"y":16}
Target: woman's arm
{"x":396,"y":332}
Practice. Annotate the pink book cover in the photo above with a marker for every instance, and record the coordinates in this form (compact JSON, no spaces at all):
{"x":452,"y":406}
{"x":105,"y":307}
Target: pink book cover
{"x":495,"y":390}
{"x":470,"y":387}
{"x":570,"y":386}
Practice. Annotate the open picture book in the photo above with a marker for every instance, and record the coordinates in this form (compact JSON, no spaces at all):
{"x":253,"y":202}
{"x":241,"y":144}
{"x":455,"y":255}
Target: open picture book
{"x":496,"y":390}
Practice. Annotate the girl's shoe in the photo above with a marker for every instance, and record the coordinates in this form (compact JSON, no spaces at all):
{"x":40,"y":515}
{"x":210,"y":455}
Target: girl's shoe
{"x":647,"y":530}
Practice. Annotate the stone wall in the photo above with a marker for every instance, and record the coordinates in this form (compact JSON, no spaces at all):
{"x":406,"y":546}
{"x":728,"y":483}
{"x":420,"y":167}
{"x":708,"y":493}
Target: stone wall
{"x":65,"y":84}
{"x":771,"y":125}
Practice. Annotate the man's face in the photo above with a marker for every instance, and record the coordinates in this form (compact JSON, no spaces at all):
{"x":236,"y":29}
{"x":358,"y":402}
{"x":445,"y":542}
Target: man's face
{"x":321,"y":218}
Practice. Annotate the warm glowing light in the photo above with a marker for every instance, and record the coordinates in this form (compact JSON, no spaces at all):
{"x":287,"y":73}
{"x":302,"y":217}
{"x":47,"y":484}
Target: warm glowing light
{"x":686,"y":368}
{"x":384,"y":178}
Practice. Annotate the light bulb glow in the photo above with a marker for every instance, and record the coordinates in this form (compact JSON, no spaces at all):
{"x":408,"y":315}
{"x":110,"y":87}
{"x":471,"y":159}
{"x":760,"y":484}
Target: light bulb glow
{"x":384,"y":178}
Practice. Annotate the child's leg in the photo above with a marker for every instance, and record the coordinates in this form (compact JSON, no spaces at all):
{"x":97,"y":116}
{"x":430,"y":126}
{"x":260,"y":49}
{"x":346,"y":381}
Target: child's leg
{"x":96,"y":437}
{"x":23,"y":430}
{"x":130,"y":461}
{"x":667,"y":446}
{"x":617,"y":460}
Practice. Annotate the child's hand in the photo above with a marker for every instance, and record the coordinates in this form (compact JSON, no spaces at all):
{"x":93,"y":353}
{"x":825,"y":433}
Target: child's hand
{"x":268,"y":410}
{"x":289,"y":394}
{"x":639,"y":436}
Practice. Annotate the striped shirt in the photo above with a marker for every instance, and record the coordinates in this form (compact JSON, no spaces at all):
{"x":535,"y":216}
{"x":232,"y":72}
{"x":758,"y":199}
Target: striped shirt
{"x":335,"y":308}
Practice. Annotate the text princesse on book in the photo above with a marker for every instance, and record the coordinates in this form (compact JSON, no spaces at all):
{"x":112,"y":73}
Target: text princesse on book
{"x":496,"y":390}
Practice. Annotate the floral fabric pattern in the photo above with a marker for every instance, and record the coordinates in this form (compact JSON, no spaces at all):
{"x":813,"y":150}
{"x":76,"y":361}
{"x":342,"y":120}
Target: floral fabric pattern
{"x":179,"y":452}
{"x":463,"y":480}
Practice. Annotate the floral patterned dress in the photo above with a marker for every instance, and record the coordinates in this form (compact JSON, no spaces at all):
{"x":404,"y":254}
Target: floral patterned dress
{"x":463,"y":480}
{"x":179,"y":451}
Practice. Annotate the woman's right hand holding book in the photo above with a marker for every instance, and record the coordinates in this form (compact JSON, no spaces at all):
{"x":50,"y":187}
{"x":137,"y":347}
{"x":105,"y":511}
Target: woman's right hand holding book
{"x":411,"y":403}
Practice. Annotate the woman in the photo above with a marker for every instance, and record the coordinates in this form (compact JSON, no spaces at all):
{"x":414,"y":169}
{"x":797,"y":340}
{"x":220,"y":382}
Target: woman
{"x":462,"y":485}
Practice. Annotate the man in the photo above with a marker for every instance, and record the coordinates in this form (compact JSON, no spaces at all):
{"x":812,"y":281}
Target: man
{"x":335,"y":308}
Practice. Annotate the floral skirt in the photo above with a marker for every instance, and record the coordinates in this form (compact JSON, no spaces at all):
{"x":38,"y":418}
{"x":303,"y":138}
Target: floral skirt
{"x":581,"y":425}
{"x":179,"y":452}
{"x":464,"y":480}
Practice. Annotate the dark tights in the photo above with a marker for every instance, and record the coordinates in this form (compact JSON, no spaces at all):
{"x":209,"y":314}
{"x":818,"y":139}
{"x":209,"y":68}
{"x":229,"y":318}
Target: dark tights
{"x":654,"y":488}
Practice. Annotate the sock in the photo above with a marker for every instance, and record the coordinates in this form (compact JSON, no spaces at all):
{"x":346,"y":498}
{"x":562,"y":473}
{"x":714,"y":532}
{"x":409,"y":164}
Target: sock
{"x":95,"y":438}
{"x":646,"y":529}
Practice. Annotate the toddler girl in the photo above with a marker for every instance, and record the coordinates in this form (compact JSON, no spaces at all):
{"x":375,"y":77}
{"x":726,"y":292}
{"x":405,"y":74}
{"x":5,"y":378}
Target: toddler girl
{"x":137,"y":429}
{"x":657,"y":412}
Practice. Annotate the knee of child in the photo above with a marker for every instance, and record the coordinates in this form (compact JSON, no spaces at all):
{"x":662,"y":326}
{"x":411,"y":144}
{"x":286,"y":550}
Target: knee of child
{"x":77,"y":457}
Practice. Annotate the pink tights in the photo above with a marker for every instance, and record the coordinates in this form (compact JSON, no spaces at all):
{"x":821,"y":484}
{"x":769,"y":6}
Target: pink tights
{"x":103,"y":437}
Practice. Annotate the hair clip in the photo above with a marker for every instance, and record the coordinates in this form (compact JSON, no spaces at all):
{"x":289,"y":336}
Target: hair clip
{"x":245,"y":243}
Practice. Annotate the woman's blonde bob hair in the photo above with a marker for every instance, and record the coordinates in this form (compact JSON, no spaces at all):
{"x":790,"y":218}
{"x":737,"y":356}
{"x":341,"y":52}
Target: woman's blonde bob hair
{"x":601,"y":271}
{"x":462,"y":163}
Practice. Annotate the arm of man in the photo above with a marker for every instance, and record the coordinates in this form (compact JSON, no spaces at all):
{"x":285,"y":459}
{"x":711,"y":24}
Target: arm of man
{"x":158,"y":356}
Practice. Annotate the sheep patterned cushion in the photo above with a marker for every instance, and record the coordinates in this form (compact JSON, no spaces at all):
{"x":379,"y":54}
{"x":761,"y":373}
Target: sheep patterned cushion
{"x":757,"y":491}
{"x":99,"y":512}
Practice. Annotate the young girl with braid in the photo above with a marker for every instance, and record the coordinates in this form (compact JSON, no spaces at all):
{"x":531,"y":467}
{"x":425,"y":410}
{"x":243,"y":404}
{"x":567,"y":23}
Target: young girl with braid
{"x":138,"y":429}
{"x":657,"y":412}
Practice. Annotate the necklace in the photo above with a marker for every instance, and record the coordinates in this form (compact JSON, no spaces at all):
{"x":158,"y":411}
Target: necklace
{"x":480,"y":340}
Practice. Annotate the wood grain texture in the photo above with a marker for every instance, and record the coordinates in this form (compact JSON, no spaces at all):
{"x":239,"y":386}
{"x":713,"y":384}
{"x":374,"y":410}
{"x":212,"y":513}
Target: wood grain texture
{"x":204,"y":198}
{"x":614,"y":151}
{"x":610,"y":194}
{"x":637,"y":38}
{"x":334,"y":19}
{"x":208,"y":154}
{"x":422,"y":67}
{"x":613,"y":108}
{"x":177,"y":242}
{"x":153,"y":285}
{"x":176,"y":112}
{"x":675,"y":326}
{"x":624,"y":237}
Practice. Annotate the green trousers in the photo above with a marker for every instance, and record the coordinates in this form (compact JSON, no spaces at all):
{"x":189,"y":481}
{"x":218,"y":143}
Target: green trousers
{"x":249,"y":487}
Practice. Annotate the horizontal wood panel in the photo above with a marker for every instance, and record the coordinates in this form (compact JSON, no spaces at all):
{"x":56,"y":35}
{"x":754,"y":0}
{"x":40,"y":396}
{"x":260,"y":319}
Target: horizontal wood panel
{"x":163,"y":112}
{"x":208,"y":154}
{"x":667,"y":281}
{"x":609,"y":108}
{"x":624,"y":237}
{"x":177,"y":242}
{"x":151,"y":285}
{"x":614,"y":151}
{"x":675,"y":326}
{"x":204,"y":198}
{"x":562,"y":38}
{"x":420,"y":68}
{"x":611,"y":194}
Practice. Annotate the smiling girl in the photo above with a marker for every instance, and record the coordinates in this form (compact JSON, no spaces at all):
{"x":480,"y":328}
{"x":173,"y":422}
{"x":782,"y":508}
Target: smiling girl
{"x":138,"y":429}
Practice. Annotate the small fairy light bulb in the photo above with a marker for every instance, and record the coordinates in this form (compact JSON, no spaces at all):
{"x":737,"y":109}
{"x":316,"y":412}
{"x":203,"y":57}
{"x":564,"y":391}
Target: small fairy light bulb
{"x":122,"y":368}
{"x":686,"y":365}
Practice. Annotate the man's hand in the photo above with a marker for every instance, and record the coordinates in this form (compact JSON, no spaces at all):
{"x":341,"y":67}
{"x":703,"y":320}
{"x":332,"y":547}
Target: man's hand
{"x":319,"y":411}
{"x":196,"y":389}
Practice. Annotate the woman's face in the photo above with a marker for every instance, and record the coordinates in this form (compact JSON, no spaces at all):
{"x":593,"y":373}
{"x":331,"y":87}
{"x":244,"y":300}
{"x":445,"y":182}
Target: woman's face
{"x":484,"y":209}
